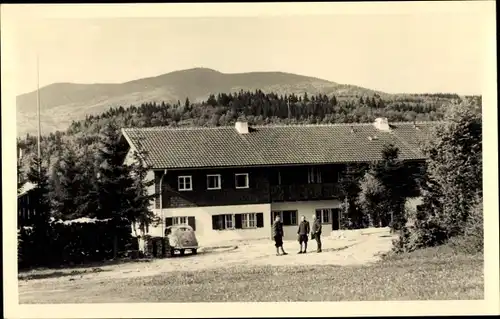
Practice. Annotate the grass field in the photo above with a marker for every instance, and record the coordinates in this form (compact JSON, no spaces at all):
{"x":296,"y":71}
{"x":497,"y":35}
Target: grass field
{"x":431,"y":274}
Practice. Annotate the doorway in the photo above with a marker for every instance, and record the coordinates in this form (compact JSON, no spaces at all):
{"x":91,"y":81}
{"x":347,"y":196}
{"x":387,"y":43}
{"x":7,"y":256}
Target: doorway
{"x":335,"y":219}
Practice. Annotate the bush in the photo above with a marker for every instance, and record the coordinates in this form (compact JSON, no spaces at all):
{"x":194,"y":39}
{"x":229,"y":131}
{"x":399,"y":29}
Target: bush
{"x":422,"y":231}
{"x":429,"y":231}
{"x":452,"y":187}
{"x":472,"y":241}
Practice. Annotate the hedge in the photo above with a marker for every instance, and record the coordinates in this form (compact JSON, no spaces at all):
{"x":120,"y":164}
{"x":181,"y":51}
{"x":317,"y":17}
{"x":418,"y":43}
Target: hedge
{"x":71,"y":243}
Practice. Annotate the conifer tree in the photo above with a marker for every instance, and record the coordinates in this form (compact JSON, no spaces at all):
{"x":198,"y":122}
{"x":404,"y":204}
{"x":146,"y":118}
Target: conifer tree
{"x":41,"y":220}
{"x":349,"y":183}
{"x":87,"y":203}
{"x":114,"y":181}
{"x":141,"y":215}
{"x":67,"y":186}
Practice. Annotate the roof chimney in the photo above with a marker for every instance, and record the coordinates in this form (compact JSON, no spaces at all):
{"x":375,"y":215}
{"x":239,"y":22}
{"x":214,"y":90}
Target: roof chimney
{"x":382,"y":124}
{"x":241,"y":127}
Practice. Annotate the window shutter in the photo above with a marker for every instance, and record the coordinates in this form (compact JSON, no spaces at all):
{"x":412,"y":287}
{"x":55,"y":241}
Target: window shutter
{"x":214,"y":222}
{"x":237,"y":221}
{"x":192,"y":222}
{"x":286,"y":218}
{"x":260,"y":220}
{"x":168,"y":221}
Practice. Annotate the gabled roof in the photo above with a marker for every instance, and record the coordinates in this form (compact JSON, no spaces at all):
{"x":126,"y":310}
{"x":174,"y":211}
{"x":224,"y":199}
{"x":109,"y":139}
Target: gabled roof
{"x":168,"y":147}
{"x":28,"y":186}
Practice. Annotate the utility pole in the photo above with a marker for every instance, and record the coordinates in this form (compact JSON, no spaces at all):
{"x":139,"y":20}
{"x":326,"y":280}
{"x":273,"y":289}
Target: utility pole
{"x":38,"y":113}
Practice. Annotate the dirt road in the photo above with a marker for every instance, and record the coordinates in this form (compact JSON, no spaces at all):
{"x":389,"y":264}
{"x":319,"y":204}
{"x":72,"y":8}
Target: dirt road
{"x":347,"y":248}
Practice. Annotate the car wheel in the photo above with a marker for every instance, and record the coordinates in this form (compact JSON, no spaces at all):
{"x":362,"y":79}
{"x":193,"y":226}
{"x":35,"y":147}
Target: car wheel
{"x":194,"y":251}
{"x":181,"y":252}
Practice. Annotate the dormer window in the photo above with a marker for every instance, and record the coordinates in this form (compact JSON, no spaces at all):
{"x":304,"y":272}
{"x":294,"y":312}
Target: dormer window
{"x":185,"y":183}
{"x":241,"y":181}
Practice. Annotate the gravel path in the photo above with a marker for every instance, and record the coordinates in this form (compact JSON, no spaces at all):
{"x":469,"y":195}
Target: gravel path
{"x":345,"y":248}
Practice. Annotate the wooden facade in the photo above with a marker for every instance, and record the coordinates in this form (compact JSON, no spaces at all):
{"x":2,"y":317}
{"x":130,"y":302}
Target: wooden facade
{"x":266,"y":185}
{"x":258,"y":191}
{"x":26,"y":204}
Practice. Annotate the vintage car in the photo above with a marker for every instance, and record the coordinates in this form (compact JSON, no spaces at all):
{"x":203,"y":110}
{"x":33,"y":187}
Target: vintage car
{"x":179,"y":238}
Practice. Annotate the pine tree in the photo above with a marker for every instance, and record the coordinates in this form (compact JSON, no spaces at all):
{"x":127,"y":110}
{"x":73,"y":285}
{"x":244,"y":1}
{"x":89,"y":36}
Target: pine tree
{"x":67,"y":190}
{"x":114,"y":181}
{"x":400,"y":181}
{"x":87,"y":202}
{"x":141,"y":215}
{"x":37,"y":175}
{"x":349,"y":183}
{"x":41,"y":221}
{"x":391,"y":174}
{"x":334,"y":100}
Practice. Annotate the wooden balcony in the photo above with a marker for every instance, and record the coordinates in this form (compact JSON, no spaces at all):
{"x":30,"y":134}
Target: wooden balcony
{"x":282,"y":193}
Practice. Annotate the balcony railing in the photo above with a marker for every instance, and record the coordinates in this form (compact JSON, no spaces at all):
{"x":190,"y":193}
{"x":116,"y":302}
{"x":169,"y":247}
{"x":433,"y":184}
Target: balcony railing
{"x":280,"y":193}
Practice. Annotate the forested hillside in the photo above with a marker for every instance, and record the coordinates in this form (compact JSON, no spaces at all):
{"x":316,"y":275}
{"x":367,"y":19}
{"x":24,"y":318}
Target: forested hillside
{"x":62,"y":103}
{"x":224,"y":109}
{"x":82,"y":174}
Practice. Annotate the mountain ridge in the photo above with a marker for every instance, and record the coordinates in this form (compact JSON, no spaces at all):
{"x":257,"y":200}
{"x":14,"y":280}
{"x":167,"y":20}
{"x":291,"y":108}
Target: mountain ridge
{"x":63,"y":102}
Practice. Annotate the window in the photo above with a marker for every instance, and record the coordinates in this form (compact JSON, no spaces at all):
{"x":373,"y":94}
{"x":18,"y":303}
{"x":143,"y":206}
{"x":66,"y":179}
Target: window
{"x":238,"y":221}
{"x":185,"y":183}
{"x":314,"y":175}
{"x":288,"y":217}
{"x":213,"y":182}
{"x":179,"y":220}
{"x":248,"y":220}
{"x":241,"y":180}
{"x":228,"y":220}
{"x":224,"y":221}
{"x":324,"y":215}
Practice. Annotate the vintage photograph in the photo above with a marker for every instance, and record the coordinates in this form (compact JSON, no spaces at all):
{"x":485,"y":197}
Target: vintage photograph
{"x":263,"y":158}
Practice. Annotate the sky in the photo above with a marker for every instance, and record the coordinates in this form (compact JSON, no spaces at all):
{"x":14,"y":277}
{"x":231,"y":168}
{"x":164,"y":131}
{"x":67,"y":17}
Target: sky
{"x":396,"y":53}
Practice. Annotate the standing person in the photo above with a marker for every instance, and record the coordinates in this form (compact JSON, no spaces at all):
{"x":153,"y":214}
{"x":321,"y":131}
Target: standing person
{"x":316,"y":232}
{"x":278,"y":236}
{"x":303,"y":232}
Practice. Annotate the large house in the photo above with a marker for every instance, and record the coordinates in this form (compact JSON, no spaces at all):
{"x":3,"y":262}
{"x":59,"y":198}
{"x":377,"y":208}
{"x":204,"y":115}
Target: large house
{"x":231,"y":182}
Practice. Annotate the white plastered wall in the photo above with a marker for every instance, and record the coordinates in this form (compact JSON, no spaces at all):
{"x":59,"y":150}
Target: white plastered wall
{"x":306,"y":208}
{"x":203,"y":219}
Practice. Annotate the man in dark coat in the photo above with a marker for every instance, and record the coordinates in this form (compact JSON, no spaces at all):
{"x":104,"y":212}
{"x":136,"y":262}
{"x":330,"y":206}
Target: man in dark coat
{"x":302,"y":233}
{"x":278,"y":236}
{"x":316,"y":232}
